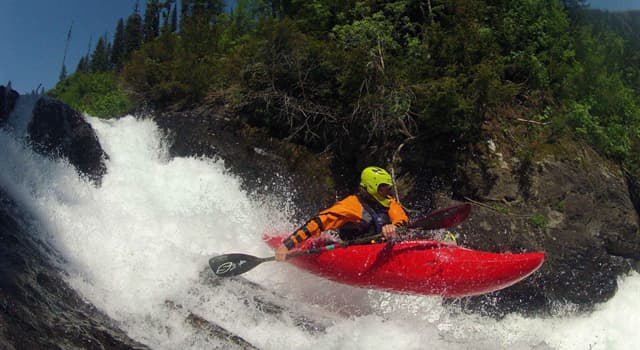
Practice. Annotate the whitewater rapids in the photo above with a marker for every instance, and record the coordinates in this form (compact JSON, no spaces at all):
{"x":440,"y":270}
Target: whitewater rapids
{"x":144,"y":237}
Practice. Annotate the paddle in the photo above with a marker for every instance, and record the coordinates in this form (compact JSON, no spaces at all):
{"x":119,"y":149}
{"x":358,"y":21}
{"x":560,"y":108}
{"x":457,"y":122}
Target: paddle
{"x":229,"y":265}
{"x":236,"y":264}
{"x":442,"y":218}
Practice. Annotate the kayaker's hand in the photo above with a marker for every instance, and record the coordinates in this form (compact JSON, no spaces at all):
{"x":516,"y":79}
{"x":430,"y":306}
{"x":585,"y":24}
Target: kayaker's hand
{"x":281,"y":253}
{"x":389,"y":231}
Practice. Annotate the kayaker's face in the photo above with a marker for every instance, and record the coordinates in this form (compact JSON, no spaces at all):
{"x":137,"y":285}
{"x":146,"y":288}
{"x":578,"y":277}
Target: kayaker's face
{"x":384,"y":190}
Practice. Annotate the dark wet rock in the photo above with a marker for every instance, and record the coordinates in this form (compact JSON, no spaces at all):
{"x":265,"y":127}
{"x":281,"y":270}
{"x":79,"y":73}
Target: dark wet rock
{"x":212,"y":329}
{"x":38,"y":310}
{"x":577,"y":209}
{"x":57,"y":130}
{"x":634,"y":189}
{"x":8,"y":100}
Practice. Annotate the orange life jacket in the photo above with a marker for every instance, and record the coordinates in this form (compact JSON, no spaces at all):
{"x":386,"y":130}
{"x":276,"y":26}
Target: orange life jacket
{"x":350,"y":212}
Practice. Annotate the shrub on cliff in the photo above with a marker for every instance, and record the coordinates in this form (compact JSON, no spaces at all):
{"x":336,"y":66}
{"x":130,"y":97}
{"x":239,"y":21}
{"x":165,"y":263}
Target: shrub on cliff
{"x":97,"y":94}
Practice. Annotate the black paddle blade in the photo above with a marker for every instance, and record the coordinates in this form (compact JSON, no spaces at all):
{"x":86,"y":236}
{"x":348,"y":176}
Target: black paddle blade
{"x":233,"y":264}
{"x":443,"y":218}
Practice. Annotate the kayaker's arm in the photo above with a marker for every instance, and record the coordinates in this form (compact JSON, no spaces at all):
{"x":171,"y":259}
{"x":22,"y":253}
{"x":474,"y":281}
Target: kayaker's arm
{"x":311,"y":228}
{"x":397,"y":215}
{"x":346,"y":210}
{"x":399,"y":220}
{"x":325,"y":220}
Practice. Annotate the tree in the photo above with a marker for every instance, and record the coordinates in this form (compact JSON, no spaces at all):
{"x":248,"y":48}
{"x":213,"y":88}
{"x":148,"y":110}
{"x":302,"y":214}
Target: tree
{"x":63,"y":70}
{"x":173,"y":24}
{"x":244,"y":16}
{"x":319,"y":16}
{"x":118,"y":49}
{"x":83,"y":65}
{"x":199,"y":26}
{"x":184,"y":10}
{"x":363,"y":77}
{"x":63,"y":73}
{"x":151,"y":28}
{"x":574,"y":4}
{"x":100,"y":56}
{"x":169,"y":17}
{"x":575,"y":8}
{"x":132,"y":33}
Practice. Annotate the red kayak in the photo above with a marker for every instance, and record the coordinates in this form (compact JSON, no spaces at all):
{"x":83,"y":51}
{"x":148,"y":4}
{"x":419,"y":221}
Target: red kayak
{"x":416,"y":266}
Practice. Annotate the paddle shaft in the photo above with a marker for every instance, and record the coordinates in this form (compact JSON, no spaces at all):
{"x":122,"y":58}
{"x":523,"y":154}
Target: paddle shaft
{"x":364,"y":240}
{"x":235,"y":264}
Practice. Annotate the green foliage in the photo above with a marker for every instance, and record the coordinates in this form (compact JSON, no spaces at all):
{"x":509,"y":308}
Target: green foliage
{"x":96,"y":94}
{"x":539,"y":220}
{"x":606,"y":111}
{"x":612,"y":137}
{"x":100,"y":58}
{"x":626,"y":24}
{"x":560,"y":206}
{"x":133,"y":34}
{"x":117,"y":49}
{"x":502,"y":209}
{"x":151,"y":26}
{"x":360,"y":78}
{"x":541,"y":50}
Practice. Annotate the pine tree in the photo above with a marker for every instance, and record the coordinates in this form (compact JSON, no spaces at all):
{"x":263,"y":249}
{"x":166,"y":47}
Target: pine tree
{"x":166,"y":9}
{"x":151,"y":28}
{"x":132,"y":33}
{"x":100,"y":57}
{"x":117,"y":49}
{"x":83,"y":65}
{"x":575,"y":8}
{"x":173,"y":25}
{"x":196,"y":28}
{"x":215,"y":8}
{"x":63,"y":70}
{"x":185,"y":9}
{"x":203,"y":11}
{"x":170,"y":17}
{"x":63,"y":73}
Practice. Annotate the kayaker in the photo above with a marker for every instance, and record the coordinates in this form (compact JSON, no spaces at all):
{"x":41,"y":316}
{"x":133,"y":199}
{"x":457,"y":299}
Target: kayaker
{"x":372,"y":210}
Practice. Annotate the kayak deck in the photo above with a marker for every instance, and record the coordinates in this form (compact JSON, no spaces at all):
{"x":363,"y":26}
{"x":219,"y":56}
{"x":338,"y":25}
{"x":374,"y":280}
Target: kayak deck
{"x":417,"y":266}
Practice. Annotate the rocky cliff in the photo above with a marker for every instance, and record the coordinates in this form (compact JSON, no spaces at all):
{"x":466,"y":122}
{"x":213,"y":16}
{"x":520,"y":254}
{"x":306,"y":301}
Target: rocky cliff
{"x":573,"y":205}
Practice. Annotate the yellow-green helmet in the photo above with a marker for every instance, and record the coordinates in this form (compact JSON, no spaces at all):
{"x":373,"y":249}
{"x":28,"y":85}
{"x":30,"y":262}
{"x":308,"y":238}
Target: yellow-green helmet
{"x":371,"y":178}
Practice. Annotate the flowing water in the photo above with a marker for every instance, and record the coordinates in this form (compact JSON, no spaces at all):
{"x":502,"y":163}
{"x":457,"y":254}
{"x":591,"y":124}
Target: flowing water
{"x":137,"y":247}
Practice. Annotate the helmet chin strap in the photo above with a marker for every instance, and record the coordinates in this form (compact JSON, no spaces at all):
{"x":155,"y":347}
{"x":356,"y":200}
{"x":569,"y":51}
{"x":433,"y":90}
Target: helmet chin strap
{"x":382,"y":200}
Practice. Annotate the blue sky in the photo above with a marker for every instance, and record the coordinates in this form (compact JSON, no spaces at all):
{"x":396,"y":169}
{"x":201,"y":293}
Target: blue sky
{"x":615,"y":5}
{"x":34,"y":34}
